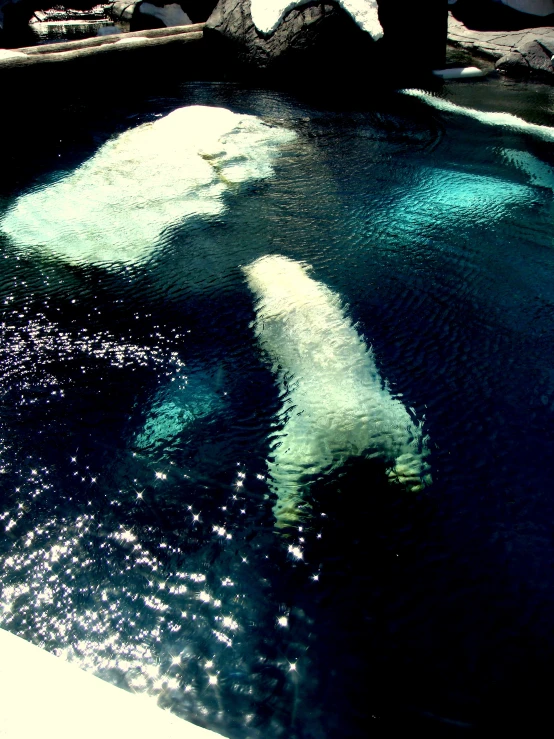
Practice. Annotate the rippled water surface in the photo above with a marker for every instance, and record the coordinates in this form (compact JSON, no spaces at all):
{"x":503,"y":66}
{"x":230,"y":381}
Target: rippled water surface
{"x":138,"y":413}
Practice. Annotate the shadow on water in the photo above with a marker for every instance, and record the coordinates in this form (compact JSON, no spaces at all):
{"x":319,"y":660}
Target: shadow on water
{"x":418,"y":628}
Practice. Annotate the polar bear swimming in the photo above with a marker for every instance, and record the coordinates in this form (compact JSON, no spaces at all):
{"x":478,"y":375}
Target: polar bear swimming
{"x":335,"y":404}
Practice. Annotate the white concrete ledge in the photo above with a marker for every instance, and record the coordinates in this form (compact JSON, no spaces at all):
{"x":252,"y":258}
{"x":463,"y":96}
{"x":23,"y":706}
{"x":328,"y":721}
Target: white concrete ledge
{"x":44,"y":696}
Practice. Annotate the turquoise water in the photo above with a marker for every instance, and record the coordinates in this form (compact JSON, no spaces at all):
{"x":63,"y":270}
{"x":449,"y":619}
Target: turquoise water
{"x":139,"y":412}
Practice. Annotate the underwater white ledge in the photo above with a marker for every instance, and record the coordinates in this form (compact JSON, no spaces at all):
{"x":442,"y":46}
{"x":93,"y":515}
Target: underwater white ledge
{"x":119,"y":206}
{"x":491,"y":118}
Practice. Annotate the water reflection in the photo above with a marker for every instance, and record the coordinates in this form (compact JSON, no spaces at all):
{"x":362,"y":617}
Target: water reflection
{"x":160,"y":631}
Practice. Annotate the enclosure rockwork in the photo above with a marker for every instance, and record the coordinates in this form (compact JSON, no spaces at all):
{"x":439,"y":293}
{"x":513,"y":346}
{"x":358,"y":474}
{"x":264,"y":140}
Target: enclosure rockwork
{"x":318,"y":41}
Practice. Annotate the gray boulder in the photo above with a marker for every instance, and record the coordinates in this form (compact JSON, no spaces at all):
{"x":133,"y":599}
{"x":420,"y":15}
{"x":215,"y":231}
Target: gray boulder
{"x":531,"y":57}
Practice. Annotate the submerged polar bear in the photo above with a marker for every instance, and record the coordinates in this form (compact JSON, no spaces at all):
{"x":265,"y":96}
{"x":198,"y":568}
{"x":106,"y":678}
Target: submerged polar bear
{"x":116,"y":206}
{"x":336,"y":404}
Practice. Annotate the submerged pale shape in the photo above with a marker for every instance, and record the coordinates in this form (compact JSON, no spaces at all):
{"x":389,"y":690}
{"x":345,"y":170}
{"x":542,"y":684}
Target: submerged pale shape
{"x":540,"y":174}
{"x":114,"y":208}
{"x":507,"y":120}
{"x":267,"y":14}
{"x":336,"y":405}
{"x":175,"y":407}
{"x":443,"y":196}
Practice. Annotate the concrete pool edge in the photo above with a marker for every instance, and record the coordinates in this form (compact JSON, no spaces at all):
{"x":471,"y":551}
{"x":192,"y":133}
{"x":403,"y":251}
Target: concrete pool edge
{"x":43,"y":695}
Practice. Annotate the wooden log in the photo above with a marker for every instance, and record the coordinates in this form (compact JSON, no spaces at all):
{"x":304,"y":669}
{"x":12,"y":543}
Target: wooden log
{"x":100,"y":40}
{"x":115,"y":43}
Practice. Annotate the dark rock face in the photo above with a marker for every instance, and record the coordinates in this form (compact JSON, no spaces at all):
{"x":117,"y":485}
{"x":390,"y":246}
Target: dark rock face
{"x":321,"y":35}
{"x":414,"y":31}
{"x":121,"y":10}
{"x":489,"y":15}
{"x":321,"y":41}
{"x":129,"y":11}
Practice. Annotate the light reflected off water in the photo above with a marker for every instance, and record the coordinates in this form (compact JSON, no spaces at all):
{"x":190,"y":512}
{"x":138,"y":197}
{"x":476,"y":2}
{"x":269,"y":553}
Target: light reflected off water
{"x":138,"y":414}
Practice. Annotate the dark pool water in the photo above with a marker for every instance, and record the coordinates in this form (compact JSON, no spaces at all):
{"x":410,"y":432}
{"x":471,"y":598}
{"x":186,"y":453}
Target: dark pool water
{"x":153,"y":560}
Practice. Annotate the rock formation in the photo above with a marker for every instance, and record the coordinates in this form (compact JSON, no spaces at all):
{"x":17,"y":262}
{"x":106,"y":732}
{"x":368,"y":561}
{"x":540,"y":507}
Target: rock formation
{"x":311,"y":41}
{"x":317,"y":41}
{"x":523,"y":53}
{"x":144,"y":15}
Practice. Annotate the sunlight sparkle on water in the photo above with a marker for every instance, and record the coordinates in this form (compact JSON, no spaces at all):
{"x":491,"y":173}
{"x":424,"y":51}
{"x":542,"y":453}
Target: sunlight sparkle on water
{"x":296,"y":552}
{"x":45,"y":584}
{"x":230,"y":623}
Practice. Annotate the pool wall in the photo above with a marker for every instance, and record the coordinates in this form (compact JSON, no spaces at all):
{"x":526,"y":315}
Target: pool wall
{"x":42,"y":695}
